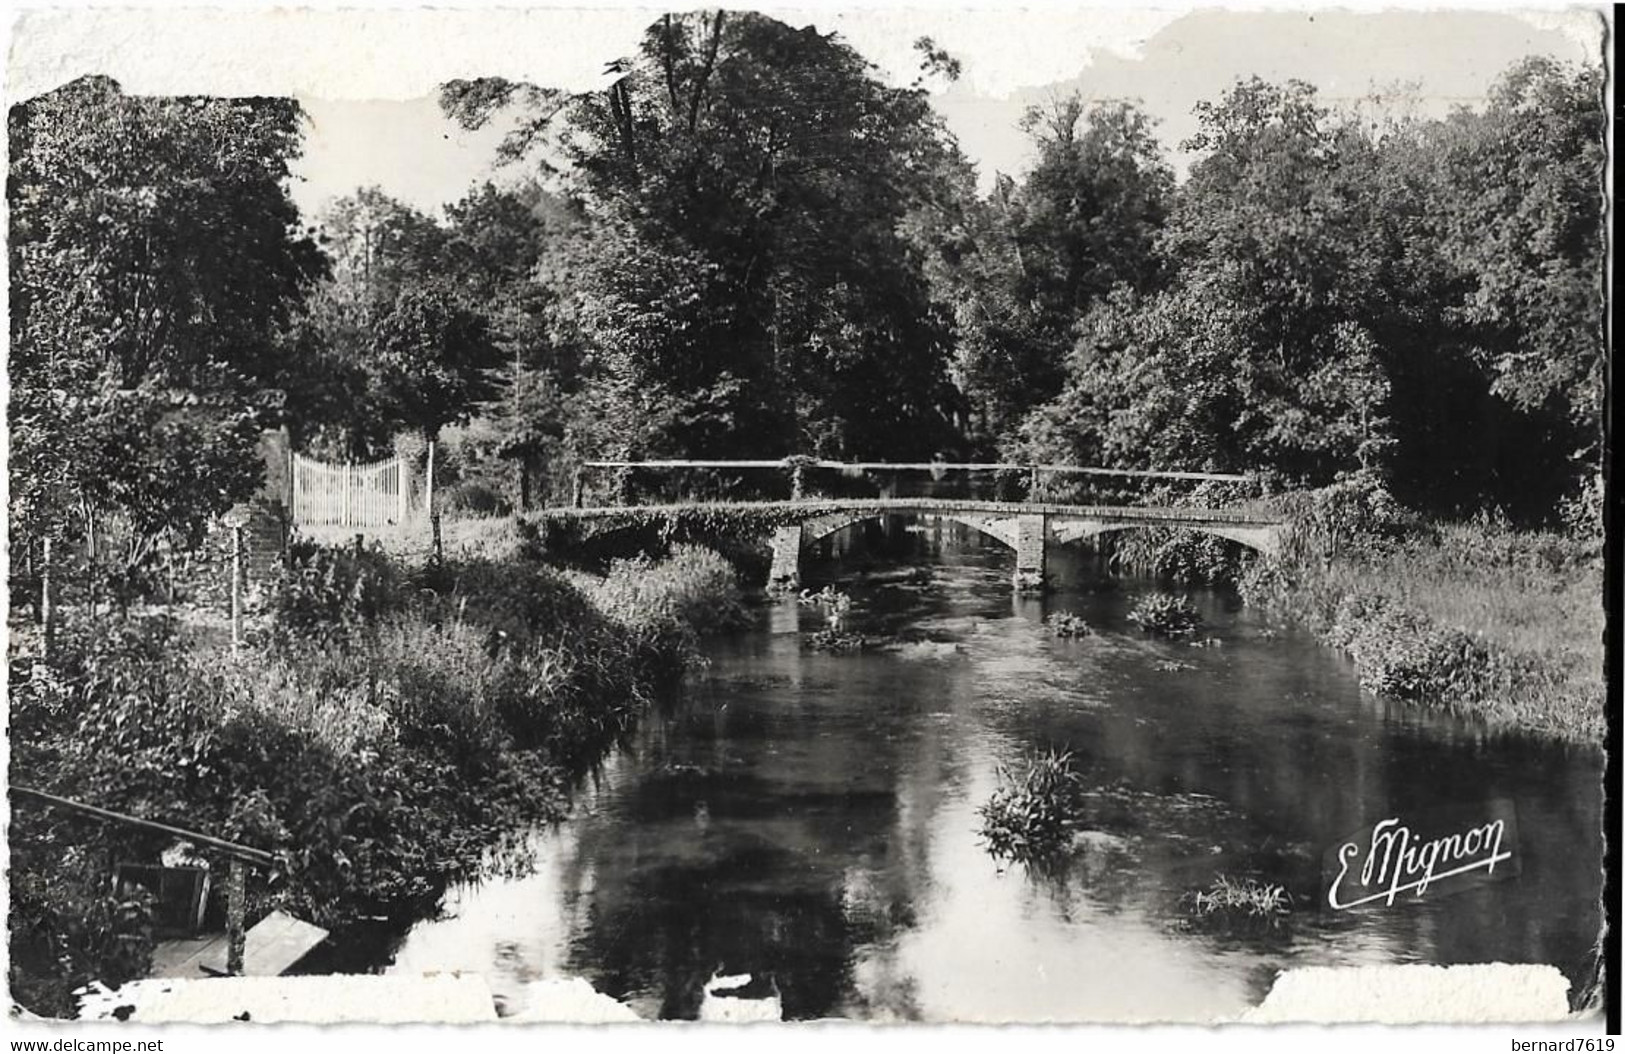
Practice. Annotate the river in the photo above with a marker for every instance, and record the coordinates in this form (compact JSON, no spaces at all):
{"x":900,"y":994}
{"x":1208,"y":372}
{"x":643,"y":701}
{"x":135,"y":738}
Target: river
{"x":811,"y":819}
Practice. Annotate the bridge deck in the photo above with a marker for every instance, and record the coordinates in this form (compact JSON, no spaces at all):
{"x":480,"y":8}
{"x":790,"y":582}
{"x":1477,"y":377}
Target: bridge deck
{"x":814,"y":507}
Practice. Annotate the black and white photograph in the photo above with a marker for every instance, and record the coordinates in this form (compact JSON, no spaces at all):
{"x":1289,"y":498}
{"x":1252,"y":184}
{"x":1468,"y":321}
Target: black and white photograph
{"x":890,"y":515}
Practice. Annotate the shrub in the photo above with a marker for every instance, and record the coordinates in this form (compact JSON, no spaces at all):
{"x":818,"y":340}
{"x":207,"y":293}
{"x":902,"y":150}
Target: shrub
{"x":329,"y":593}
{"x":1178,"y":554}
{"x":1165,"y":614}
{"x":693,"y":588}
{"x":1028,"y":817}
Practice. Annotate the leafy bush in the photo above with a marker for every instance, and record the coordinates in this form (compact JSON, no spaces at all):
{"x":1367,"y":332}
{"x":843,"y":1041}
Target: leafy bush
{"x":1165,"y":614}
{"x":1178,"y":554}
{"x":693,"y":588}
{"x":329,"y":593}
{"x":1029,"y":815}
{"x":380,"y":756}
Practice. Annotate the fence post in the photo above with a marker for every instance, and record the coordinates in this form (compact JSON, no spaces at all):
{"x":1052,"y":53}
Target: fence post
{"x":575,"y":487}
{"x":428,"y":483}
{"x":236,"y":907}
{"x":434,"y":526}
{"x":796,"y":481}
{"x":46,"y":605}
{"x":1032,"y":484}
{"x":236,"y":588}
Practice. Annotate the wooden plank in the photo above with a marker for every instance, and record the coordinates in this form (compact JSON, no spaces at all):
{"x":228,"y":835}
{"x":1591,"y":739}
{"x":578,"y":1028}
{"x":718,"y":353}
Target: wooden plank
{"x":185,"y":957}
{"x":273,"y":944}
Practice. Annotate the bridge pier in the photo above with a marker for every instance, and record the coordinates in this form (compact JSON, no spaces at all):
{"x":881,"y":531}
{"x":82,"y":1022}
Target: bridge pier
{"x":785,"y":574}
{"x":1032,"y":540}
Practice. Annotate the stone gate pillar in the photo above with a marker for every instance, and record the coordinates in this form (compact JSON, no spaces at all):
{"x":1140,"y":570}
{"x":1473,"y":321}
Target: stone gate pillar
{"x":1032,"y":535}
{"x":786,"y":570}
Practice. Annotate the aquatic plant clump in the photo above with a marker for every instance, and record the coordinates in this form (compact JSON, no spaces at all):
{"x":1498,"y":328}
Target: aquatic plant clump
{"x":1067,"y":625}
{"x":1030,"y":816}
{"x":1245,"y":897}
{"x":835,"y":641}
{"x":1165,"y":614}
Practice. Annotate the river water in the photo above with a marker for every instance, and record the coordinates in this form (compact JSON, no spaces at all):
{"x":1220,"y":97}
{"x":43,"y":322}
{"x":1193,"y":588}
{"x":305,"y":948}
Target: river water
{"x":811,"y":819}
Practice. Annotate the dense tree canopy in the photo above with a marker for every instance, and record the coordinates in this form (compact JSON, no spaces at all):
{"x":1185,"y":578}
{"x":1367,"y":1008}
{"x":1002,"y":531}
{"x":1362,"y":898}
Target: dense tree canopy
{"x":745,"y":286}
{"x":155,"y":262}
{"x":749,"y":244}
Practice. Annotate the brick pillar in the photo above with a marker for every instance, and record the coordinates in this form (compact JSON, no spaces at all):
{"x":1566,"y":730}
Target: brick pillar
{"x":786,"y":571}
{"x":1032,"y":533}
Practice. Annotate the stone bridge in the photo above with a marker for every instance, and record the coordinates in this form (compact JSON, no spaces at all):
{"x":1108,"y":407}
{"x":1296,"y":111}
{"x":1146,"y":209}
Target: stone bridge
{"x":1029,"y":528}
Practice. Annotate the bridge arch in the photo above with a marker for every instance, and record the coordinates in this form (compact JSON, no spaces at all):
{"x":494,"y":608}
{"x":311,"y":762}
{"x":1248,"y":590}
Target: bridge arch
{"x":816,"y":530}
{"x":1261,"y":539}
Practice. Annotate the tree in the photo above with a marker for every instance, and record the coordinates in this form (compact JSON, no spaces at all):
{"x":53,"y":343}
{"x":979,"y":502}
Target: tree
{"x":747,"y":182}
{"x":430,"y":358}
{"x":155,"y":263}
{"x":1256,"y":356}
{"x":1522,"y":203}
{"x":1039,"y":255}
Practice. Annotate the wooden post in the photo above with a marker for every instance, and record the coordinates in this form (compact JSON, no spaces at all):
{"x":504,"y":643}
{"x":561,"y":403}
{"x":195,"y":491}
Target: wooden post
{"x":428,"y":483}
{"x":1032,"y":484}
{"x":796,"y":482}
{"x":236,"y":908}
{"x":236,"y":588}
{"x":46,"y":602}
{"x":575,"y":488}
{"x":434,"y":526}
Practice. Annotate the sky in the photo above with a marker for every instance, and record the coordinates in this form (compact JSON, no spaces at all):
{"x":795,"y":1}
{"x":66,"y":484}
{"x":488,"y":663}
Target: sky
{"x":366,"y":76}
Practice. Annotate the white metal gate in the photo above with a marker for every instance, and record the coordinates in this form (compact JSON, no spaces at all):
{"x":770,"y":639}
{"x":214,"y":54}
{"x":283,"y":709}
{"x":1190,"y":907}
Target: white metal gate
{"x":373,"y":495}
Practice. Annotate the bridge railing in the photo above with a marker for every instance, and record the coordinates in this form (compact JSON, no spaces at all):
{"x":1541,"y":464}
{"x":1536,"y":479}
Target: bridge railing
{"x":628,"y":482}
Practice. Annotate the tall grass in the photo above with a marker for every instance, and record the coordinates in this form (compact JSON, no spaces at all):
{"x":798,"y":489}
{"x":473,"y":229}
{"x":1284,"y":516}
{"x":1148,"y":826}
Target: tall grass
{"x":1029,"y":817}
{"x":380,"y":743}
{"x":1475,"y":617}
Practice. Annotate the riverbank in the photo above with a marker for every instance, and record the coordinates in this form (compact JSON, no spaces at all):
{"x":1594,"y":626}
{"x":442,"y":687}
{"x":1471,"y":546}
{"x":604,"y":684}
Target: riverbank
{"x":1480,"y":619}
{"x":383,"y":732}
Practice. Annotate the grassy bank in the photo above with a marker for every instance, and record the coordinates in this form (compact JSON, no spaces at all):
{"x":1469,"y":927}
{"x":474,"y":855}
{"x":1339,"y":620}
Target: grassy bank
{"x":386,"y":730}
{"x":1478,"y":618}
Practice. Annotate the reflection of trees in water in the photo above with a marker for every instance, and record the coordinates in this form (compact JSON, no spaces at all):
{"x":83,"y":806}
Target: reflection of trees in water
{"x":755,"y":908}
{"x":788,"y":827}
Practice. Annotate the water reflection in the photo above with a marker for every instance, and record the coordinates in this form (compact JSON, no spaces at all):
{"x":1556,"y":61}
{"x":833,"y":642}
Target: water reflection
{"x":812,"y":818}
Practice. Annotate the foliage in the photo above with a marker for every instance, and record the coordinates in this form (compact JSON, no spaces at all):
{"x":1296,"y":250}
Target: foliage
{"x":835,"y":641}
{"x":1029,"y":816}
{"x":1067,"y":624}
{"x":693,"y":588}
{"x":745,"y":279}
{"x":1229,"y":896}
{"x":1177,"y":554}
{"x":1334,"y":306}
{"x":329,"y":594}
{"x":1165,"y":614}
{"x":379,"y":756}
{"x":1477,"y":618}
{"x":154,"y":265}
